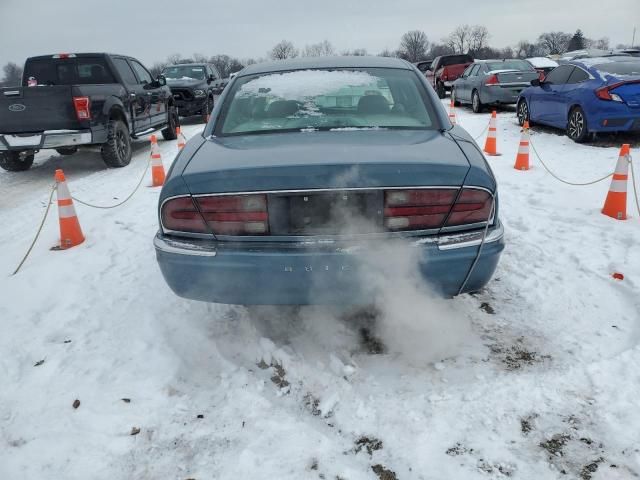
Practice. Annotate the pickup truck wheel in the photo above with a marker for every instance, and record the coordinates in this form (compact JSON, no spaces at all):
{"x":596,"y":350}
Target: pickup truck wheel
{"x":206,"y":110}
{"x":116,"y":152}
{"x":476,"y":104}
{"x":440,"y":90}
{"x":67,"y":150}
{"x":16,"y":161}
{"x":170,"y":133}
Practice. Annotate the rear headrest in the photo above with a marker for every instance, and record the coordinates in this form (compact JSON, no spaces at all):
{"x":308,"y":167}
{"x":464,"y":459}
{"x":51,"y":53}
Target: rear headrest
{"x":372,"y":104}
{"x":282,"y":108}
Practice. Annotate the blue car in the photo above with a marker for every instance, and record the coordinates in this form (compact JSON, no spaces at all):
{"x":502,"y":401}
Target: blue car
{"x":306,"y":167}
{"x":586,"y":96}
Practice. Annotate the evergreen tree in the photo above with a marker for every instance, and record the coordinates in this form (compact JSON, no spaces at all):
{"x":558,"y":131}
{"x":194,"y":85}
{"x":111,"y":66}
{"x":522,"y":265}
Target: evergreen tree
{"x":577,"y":42}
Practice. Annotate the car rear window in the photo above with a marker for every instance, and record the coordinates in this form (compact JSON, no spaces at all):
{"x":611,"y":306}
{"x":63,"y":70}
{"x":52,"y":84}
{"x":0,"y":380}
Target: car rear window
{"x":510,"y":65}
{"x":68,"y":71}
{"x":619,"y":68}
{"x":455,"y":60}
{"x":341,"y":99}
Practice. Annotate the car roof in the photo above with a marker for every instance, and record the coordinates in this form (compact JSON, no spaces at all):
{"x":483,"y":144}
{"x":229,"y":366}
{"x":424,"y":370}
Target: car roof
{"x":496,"y":60}
{"x":193,"y":64}
{"x":305,"y":63}
{"x":78,"y":55}
{"x":592,"y":61}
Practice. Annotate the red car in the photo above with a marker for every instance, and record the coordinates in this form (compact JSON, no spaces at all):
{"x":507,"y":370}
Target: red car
{"x":445,"y":70}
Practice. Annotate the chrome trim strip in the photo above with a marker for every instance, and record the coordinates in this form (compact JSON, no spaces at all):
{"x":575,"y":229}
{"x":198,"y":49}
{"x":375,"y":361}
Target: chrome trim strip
{"x":339,"y":189}
{"x":472,"y":239}
{"x":182,"y":247}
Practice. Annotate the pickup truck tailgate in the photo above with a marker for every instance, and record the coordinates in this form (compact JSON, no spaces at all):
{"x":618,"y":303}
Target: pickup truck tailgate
{"x":35,"y":109}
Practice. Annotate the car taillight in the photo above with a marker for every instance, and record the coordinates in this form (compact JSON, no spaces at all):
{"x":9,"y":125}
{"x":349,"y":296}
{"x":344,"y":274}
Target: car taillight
{"x":181,"y":215}
{"x":82,"y":106}
{"x":472,"y":206}
{"x":235,"y":214}
{"x":492,"y":80}
{"x":604,"y":93}
{"x":417,"y":209}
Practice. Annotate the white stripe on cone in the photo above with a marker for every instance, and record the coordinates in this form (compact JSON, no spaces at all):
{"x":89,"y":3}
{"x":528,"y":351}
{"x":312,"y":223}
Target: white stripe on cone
{"x":66,"y":211}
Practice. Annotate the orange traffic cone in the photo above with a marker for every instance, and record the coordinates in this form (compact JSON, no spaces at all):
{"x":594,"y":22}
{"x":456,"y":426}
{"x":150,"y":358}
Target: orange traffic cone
{"x":490,"y":146}
{"x":615,"y":205}
{"x":70,"y":231}
{"x":181,"y":138}
{"x":157,"y":169}
{"x":452,"y":113}
{"x":522,"y":159}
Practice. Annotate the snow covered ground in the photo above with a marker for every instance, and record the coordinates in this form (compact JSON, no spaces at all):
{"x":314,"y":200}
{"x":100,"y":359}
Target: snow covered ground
{"x":541,"y":382}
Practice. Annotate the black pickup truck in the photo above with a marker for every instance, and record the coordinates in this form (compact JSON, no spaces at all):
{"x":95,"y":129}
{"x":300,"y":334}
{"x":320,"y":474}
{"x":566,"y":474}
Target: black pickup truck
{"x":194,"y":86}
{"x":69,"y":100}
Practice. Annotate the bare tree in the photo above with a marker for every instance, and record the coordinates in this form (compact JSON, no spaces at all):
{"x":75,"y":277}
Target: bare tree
{"x":282,"y":50}
{"x":478,"y":39}
{"x":356,"y":52}
{"x":554,"y":43}
{"x":388,"y":53}
{"x":174,"y":58}
{"x":157,"y":68}
{"x":199,"y":58}
{"x":525,"y":49}
{"x":602,"y":43}
{"x":226,"y":65}
{"x":459,"y":40}
{"x":12,"y":74}
{"x":321,"y":49}
{"x":438,"y":49}
{"x":414,"y":45}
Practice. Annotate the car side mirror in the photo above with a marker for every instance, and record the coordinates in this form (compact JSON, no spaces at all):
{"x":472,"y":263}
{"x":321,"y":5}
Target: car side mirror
{"x":162,"y":81}
{"x":212,"y":78}
{"x":536,"y":82}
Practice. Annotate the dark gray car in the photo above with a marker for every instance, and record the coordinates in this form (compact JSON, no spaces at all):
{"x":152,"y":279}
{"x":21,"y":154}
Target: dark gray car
{"x":491,"y":82}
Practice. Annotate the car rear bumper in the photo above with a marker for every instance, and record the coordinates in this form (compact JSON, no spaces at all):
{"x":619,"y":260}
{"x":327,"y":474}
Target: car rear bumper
{"x":626,"y":120}
{"x":302,"y":275}
{"x":46,"y":139}
{"x":503,"y":95}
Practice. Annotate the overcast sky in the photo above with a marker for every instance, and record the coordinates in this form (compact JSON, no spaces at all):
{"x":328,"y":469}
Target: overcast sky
{"x":150,"y":30}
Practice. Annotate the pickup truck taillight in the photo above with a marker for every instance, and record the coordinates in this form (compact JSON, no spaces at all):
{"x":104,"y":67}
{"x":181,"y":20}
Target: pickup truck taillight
{"x":82,"y":106}
{"x":220,"y":215}
{"x":430,"y":208}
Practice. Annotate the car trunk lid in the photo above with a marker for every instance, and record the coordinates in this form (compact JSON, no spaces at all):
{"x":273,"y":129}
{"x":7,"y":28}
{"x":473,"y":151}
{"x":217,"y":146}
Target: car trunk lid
{"x":629,"y":91}
{"x":326,"y":183}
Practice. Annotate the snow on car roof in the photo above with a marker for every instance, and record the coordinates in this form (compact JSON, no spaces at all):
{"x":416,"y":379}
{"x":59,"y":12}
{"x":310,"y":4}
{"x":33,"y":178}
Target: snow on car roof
{"x":591,"y":61}
{"x":300,"y":85}
{"x":306,"y":63}
{"x":542,"y":62}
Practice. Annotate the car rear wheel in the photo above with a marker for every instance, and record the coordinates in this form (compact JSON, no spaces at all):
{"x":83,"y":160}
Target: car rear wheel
{"x":116,"y":152}
{"x":440,"y":90}
{"x":577,"y":125}
{"x":170,"y":133}
{"x":16,"y":161}
{"x":476,"y":104}
{"x":523,"y":112}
